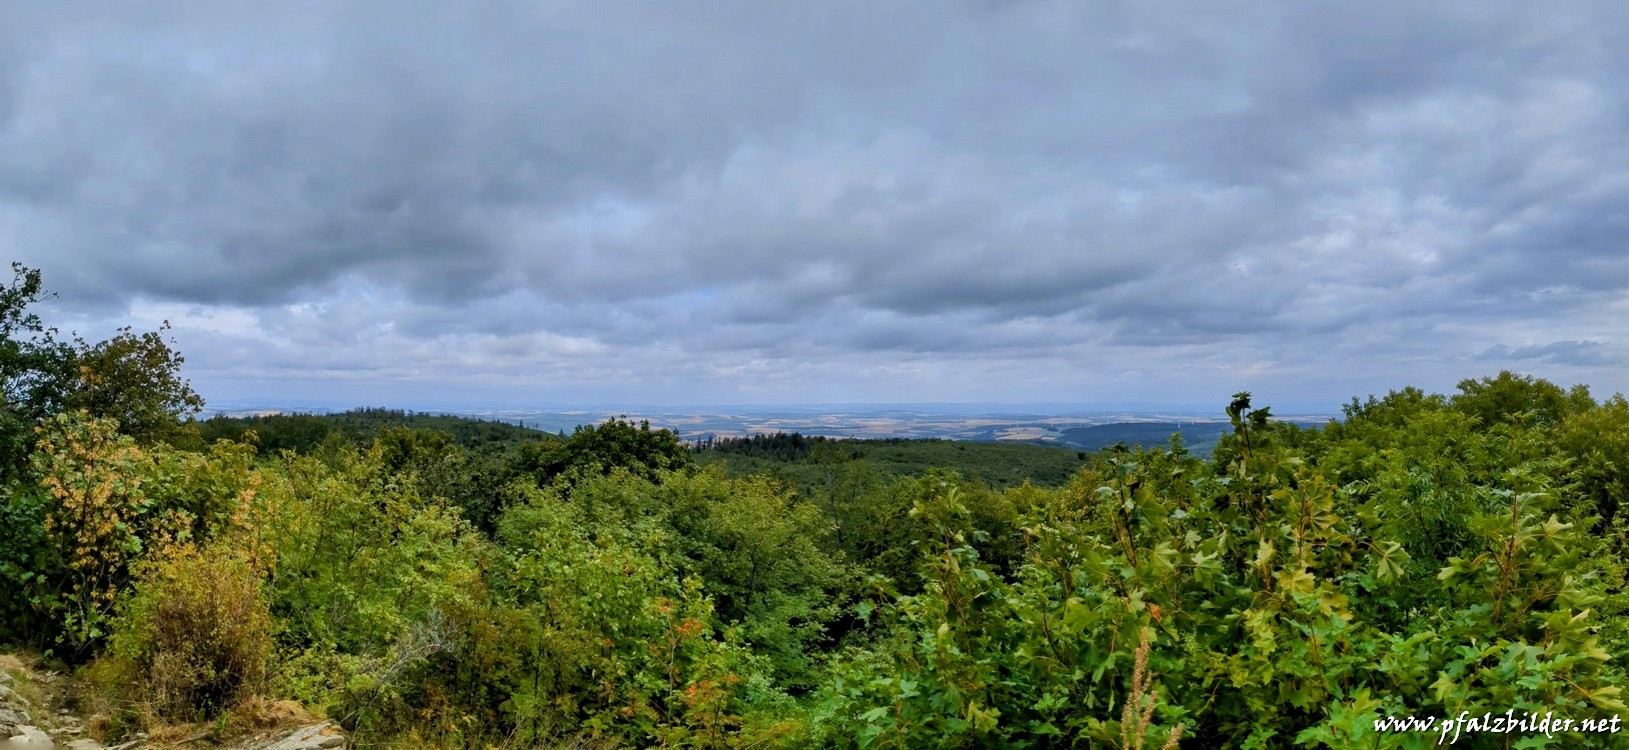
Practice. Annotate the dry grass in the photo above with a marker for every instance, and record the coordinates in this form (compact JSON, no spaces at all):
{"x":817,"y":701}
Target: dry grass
{"x":251,"y":722}
{"x":258,"y":715}
{"x":13,"y":664}
{"x":104,"y":690}
{"x":176,"y":735}
{"x":26,"y":679}
{"x":104,"y":693}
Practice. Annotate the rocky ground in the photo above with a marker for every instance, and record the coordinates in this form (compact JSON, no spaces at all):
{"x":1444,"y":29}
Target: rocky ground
{"x":33,"y":716}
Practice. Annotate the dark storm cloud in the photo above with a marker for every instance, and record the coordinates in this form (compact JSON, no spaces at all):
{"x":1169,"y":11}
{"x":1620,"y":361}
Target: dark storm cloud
{"x":582,"y":190}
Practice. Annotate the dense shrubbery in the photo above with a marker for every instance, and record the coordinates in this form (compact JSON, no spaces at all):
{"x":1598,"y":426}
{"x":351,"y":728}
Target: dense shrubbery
{"x":196,"y":634}
{"x":1425,"y":555}
{"x":1290,"y":609}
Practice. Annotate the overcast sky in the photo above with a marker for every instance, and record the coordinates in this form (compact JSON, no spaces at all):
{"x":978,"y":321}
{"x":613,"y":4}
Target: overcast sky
{"x":434,"y":204}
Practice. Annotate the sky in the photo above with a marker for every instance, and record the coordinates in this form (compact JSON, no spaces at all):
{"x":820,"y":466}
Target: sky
{"x":537,"y":203}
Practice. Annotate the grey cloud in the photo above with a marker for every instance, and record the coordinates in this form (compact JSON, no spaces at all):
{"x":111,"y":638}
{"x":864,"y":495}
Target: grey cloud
{"x":751,"y":183}
{"x":1575,"y":353}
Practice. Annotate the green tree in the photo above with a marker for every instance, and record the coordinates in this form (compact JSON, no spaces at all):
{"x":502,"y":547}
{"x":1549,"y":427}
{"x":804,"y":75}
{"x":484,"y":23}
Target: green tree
{"x":600,"y":449}
{"x":36,"y":370}
{"x":758,"y":553}
{"x":1518,"y":399}
{"x":1597,"y":442}
{"x":136,"y":379}
{"x":477,"y":481}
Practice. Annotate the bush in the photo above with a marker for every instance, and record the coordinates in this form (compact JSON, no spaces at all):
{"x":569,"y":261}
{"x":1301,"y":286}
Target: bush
{"x":199,"y":630}
{"x":373,"y":588}
{"x":25,"y":551}
{"x":608,"y":639}
{"x":99,"y":522}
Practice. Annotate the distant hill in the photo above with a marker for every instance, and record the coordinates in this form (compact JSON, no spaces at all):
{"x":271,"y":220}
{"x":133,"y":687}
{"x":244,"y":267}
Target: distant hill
{"x":1199,"y":437}
{"x":302,"y":432}
{"x":806,"y":462}
{"x":990,"y":453}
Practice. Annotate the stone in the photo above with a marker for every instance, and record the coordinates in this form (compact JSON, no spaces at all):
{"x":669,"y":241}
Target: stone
{"x":30,"y":735}
{"x":10,"y":717}
{"x":315,"y":737}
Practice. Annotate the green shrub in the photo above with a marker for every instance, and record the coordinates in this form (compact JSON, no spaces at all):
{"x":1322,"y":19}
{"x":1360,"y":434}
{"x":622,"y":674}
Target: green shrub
{"x":370,"y":583}
{"x":610,"y":638}
{"x":26,"y":559}
{"x":1423,"y":556}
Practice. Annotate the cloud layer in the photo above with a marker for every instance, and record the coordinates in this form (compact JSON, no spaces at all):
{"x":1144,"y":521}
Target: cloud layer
{"x":545,"y":202}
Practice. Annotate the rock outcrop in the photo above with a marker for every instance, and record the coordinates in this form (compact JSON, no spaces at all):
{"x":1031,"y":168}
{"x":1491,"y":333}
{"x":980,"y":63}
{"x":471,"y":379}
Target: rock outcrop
{"x":316,"y":737}
{"x":17,"y":715}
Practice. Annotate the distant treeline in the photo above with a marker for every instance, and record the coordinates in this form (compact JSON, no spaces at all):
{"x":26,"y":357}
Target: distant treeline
{"x":810,"y":463}
{"x":1200,"y":438}
{"x":303,"y":433}
{"x":779,"y":446}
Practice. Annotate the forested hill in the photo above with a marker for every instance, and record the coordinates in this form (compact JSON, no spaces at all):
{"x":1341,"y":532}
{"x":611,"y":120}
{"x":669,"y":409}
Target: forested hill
{"x":806,"y":462}
{"x":801,"y":462}
{"x":302,"y":432}
{"x":798,"y":459}
{"x":1200,"y":438}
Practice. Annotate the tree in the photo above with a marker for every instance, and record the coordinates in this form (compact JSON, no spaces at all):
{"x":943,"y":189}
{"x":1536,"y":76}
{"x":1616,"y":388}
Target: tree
{"x":1521,"y":400}
{"x":36,"y":370}
{"x":131,"y":378}
{"x":602,"y":448}
{"x":136,"y":380}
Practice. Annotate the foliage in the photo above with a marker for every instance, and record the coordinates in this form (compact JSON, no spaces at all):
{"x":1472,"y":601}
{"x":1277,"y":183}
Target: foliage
{"x":1596,"y":442}
{"x":213,"y":490}
{"x":368,"y":582}
{"x":99,"y":522}
{"x":475,"y":481}
{"x":1275,"y":587}
{"x":600,"y":449}
{"x":466,"y":463}
{"x":759,"y":557}
{"x":135,"y":380}
{"x":73,"y":512}
{"x":1509,"y":398}
{"x":612,"y":639}
{"x":36,"y":370}
{"x":1424,"y":555}
{"x":27,"y":559}
{"x":304,"y":433}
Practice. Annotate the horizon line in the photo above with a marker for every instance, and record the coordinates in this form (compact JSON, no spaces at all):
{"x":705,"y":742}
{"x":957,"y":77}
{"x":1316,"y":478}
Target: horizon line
{"x":1295,"y":408}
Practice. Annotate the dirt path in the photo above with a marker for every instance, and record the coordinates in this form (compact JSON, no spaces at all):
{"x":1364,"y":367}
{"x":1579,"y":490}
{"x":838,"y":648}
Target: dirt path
{"x":33,"y":716}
